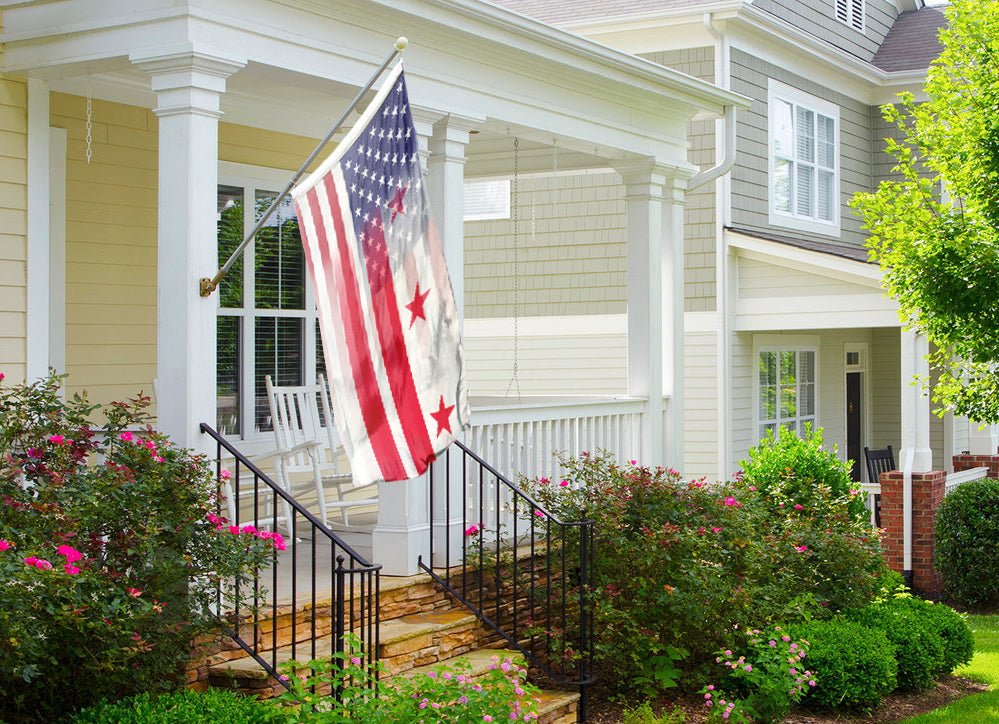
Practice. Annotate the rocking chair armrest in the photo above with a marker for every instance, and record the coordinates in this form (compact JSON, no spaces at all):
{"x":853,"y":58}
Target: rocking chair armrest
{"x":307,"y":446}
{"x":351,"y":503}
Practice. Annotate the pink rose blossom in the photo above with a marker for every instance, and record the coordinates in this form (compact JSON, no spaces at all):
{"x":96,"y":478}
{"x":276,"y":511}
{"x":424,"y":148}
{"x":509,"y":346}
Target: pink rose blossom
{"x":30,"y":560}
{"x":71,"y":569}
{"x":715,"y":529}
{"x":539,"y":513}
{"x":234,"y":529}
{"x":279,"y":543}
{"x":801,"y":549}
{"x":225,"y":474}
{"x":799,"y":506}
{"x":632,"y":462}
{"x":34,"y":452}
{"x":56,"y":439}
{"x":126,"y":436}
{"x":355,"y":660}
{"x":70,"y":553}
{"x":472,"y":529}
{"x":563,"y":483}
{"x":4,"y":545}
{"x":133,"y":592}
{"x":730,"y":501}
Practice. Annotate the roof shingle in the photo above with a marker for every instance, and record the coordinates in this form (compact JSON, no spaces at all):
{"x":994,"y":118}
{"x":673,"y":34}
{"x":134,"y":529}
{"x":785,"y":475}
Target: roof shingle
{"x":912,"y":42}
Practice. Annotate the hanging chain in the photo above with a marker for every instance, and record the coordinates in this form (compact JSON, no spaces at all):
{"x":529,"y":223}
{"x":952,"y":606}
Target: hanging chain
{"x":90,"y":123}
{"x":514,"y":380}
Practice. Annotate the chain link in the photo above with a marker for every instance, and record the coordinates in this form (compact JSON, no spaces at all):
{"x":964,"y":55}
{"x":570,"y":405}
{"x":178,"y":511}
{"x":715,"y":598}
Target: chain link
{"x":514,"y":379}
{"x":90,"y":124}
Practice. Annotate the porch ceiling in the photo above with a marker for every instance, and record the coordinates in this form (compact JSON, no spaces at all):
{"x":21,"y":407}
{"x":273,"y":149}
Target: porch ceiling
{"x":304,"y":60}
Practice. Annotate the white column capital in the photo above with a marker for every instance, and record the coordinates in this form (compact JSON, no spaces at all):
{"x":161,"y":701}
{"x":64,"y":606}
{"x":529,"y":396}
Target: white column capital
{"x":648,"y":178}
{"x":186,"y":81}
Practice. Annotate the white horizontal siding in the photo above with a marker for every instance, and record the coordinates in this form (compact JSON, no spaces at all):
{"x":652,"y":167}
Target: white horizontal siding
{"x":700,"y":416}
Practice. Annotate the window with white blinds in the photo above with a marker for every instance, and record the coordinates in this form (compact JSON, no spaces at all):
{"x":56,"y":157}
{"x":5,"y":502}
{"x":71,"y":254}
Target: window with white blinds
{"x":266,"y":318}
{"x":486,"y":200}
{"x":804,"y":161}
{"x":851,"y":12}
{"x":786,"y":390}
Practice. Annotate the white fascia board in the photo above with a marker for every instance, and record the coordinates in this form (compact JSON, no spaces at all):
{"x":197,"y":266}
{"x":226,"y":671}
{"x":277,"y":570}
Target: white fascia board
{"x":826,"y":319}
{"x":805,"y":260}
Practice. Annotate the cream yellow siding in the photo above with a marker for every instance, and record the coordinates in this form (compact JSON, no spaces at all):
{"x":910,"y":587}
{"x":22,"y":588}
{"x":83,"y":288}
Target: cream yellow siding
{"x":111,"y":216}
{"x":574,"y":362}
{"x":13,"y":223}
{"x":760,"y":280}
{"x":886,"y":389}
{"x":700,"y":416}
{"x":110,"y":247}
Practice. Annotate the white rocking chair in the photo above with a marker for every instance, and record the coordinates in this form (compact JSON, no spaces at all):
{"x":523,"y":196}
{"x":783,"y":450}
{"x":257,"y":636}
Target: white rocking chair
{"x":308,"y":448}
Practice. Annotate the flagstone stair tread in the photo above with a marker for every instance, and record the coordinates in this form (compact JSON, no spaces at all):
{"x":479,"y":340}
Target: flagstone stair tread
{"x":553,"y":700}
{"x":394,"y":631}
{"x":480,"y":661}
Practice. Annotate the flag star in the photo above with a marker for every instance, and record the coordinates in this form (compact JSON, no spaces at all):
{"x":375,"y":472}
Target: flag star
{"x":382,"y":134}
{"x":386,"y":111}
{"x":415,"y":307}
{"x":378,"y":200}
{"x":353,"y":188}
{"x":366,"y":217}
{"x":357,"y":211}
{"x":441,"y":417}
{"x":408,"y":132}
{"x":373,"y":131}
{"x":368,"y":154}
{"x":396,"y":203}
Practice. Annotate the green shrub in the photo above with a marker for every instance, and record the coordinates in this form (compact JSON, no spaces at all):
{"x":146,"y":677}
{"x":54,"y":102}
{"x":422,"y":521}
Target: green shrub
{"x":109,"y":555}
{"x":967,"y":543}
{"x":643,"y":714}
{"x":919,"y":648}
{"x":789,"y":470}
{"x":953,"y":630}
{"x":214,"y":706}
{"x":854,"y":665}
{"x":680,"y":565}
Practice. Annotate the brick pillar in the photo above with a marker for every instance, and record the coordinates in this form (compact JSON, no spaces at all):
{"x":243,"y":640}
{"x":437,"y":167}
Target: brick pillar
{"x":927,"y":493}
{"x":966,"y":462}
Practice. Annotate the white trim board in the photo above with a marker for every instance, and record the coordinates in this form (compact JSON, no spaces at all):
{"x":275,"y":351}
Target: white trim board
{"x":568,"y":325}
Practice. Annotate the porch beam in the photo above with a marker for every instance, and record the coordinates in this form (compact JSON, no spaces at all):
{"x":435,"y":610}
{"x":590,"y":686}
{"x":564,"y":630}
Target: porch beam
{"x":188,"y":87}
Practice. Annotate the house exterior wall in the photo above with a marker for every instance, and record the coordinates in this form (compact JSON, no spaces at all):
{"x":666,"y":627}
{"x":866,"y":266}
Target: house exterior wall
{"x":881,"y":383}
{"x":13,"y":228}
{"x":819,"y":19}
{"x":882,"y":162}
{"x":559,"y":358}
{"x":699,"y":230}
{"x":110,"y":247}
{"x":750,"y":188}
{"x":700,"y":422}
{"x":111,"y":212}
{"x":760,"y":280}
{"x":571,"y":249}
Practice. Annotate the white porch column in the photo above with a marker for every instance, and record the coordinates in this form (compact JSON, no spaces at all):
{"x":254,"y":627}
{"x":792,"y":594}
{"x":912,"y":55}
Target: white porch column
{"x":982,"y":440}
{"x":654,"y":195}
{"x":915,"y":454}
{"x":38,"y":354}
{"x":188,"y":86}
{"x":447,"y":198}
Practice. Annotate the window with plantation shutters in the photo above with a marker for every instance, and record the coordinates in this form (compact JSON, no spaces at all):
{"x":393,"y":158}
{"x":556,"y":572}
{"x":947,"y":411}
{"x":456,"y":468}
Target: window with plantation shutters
{"x":851,"y":12}
{"x":266,"y":318}
{"x":804,"y":161}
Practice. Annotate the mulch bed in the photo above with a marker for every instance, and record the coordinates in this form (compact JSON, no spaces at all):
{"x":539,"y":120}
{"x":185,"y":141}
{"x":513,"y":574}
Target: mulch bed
{"x":895,"y":707}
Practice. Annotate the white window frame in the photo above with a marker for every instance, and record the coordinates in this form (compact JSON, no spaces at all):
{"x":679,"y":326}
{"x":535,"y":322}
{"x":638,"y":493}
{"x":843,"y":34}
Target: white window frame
{"x":500,"y":210}
{"x":784,"y":343}
{"x":793,"y":220}
{"x":852,"y":13}
{"x":252,"y":179}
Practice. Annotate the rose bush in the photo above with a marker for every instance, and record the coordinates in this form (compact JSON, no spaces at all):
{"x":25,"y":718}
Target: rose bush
{"x":112,"y":553}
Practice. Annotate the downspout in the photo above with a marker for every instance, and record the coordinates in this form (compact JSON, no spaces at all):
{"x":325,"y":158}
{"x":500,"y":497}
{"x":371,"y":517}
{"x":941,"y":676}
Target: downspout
{"x":725,"y":138}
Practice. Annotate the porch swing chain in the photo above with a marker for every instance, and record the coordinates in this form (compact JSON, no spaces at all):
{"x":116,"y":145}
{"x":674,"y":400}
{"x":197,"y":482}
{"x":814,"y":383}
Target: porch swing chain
{"x":90,"y":122}
{"x":514,"y":379}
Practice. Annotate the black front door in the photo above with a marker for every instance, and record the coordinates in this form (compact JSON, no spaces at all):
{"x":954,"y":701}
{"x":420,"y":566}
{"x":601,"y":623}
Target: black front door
{"x":853,"y":424}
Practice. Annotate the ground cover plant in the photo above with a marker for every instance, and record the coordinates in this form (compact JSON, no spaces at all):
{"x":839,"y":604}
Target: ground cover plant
{"x":111,"y":552}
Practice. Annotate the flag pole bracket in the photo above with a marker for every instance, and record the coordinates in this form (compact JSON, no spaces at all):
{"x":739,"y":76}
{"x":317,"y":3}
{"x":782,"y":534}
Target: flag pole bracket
{"x":208,"y":285}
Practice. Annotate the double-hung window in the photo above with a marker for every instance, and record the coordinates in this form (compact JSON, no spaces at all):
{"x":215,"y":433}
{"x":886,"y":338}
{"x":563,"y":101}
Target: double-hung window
{"x":266,"y":318}
{"x":804,"y":161}
{"x":786,"y":389}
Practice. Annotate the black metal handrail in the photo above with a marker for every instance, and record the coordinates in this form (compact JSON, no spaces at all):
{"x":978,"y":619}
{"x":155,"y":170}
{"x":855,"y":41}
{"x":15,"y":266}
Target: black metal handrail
{"x":353,"y":599}
{"x":521,"y":570}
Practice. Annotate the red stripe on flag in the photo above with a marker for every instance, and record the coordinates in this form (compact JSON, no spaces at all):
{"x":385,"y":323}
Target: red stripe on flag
{"x":385,"y":306}
{"x":362,"y":369}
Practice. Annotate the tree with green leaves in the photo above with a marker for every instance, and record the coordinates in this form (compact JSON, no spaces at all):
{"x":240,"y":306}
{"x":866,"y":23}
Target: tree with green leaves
{"x":935,"y":226}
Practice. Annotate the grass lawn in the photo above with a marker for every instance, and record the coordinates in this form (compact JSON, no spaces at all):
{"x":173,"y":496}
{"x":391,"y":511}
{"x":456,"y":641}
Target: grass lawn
{"x":984,"y":668}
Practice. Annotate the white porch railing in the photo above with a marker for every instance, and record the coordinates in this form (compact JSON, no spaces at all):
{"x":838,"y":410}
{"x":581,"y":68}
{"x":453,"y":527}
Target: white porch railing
{"x":522,"y":438}
{"x":956,"y":479}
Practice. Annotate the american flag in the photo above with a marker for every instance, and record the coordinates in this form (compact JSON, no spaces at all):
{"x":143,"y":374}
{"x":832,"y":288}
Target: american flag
{"x":391,"y":334}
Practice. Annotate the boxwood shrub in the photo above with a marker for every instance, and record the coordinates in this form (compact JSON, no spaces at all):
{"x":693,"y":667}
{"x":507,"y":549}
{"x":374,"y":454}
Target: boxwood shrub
{"x":854,"y":665}
{"x":967,"y":543}
{"x":919,"y":647}
{"x":214,"y":706}
{"x":951,"y":627}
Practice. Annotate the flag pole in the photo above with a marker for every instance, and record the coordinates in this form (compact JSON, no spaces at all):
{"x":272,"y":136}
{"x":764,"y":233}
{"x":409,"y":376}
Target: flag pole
{"x":206,"y":285}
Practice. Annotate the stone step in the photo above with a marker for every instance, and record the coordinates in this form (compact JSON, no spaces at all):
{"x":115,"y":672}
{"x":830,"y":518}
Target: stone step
{"x":558,"y":707}
{"x":405,"y":643}
{"x":480,"y":661}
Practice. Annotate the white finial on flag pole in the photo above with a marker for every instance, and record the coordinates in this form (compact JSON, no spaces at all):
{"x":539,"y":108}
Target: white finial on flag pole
{"x":401,"y":42}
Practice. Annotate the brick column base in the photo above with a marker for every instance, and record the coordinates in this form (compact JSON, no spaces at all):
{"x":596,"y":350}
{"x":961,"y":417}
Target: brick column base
{"x":927,"y":493}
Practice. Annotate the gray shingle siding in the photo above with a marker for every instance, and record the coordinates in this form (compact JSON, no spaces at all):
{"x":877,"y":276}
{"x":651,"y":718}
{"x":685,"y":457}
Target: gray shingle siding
{"x":750,"y":188}
{"x":881,"y":161}
{"x":818,"y":18}
{"x":700,"y":211}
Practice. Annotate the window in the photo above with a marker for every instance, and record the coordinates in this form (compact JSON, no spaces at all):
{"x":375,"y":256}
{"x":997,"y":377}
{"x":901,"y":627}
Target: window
{"x":804,"y":161}
{"x":786,"y":389}
{"x":486,"y":200}
{"x":851,"y":12}
{"x":266,"y":319}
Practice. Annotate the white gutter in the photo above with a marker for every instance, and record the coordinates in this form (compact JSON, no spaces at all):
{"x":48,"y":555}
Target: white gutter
{"x":728,"y":159}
